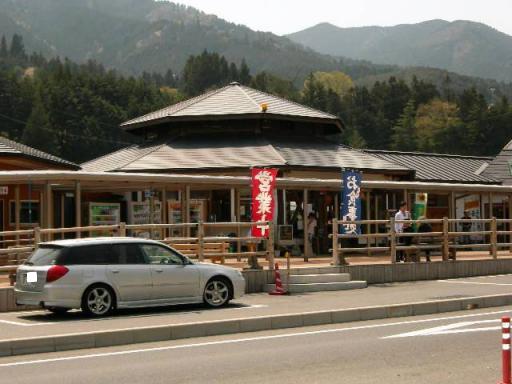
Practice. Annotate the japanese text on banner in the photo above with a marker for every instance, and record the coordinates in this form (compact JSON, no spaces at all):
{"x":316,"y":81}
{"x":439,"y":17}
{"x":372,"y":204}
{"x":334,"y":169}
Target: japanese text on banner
{"x":263,"y":184}
{"x":351,"y":202}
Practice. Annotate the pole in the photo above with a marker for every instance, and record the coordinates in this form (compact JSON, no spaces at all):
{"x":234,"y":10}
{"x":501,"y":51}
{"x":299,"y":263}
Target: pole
{"x":335,"y":255}
{"x":392,"y":238}
{"x":78,"y":207}
{"x":505,"y":349}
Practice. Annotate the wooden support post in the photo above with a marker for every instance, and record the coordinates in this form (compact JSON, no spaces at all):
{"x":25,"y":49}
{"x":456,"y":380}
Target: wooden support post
{"x":200,"y":240}
{"x":494,"y":238}
{"x":368,"y":226}
{"x":335,"y":245}
{"x":232,"y":200}
{"x":49,"y":210}
{"x":270,"y":246}
{"x":446,"y":239}
{"x":62,"y":216}
{"x":453,"y":210}
{"x":306,"y":236}
{"x":336,"y":206}
{"x":376,"y":229}
{"x":122,"y":229}
{"x":163,"y":219}
{"x":187,"y":209}
{"x":491,"y":215}
{"x":510,"y":220}
{"x":37,"y":237}
{"x":78,"y":207}
{"x":285,"y":219}
{"x":17,"y":211}
{"x":392,"y":240}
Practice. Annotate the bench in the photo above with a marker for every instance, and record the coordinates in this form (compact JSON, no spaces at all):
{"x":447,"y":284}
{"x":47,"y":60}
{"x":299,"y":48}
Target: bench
{"x":210,"y":250}
{"x":432,"y":243}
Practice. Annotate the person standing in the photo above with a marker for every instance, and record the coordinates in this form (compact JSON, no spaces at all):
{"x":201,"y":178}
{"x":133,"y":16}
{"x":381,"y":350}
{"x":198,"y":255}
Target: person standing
{"x":402,"y":214}
{"x":466,"y":227}
{"x":311,"y":229}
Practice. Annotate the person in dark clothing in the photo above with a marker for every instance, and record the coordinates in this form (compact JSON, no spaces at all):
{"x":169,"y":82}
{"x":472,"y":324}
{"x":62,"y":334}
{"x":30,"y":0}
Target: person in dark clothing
{"x":425,"y":228}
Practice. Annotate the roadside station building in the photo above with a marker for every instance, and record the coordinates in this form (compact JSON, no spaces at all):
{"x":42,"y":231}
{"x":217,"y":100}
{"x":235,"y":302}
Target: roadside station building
{"x":195,"y":162}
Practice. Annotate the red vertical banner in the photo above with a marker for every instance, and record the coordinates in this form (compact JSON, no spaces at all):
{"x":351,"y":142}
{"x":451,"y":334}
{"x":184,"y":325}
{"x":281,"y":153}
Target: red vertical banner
{"x":263,"y":185}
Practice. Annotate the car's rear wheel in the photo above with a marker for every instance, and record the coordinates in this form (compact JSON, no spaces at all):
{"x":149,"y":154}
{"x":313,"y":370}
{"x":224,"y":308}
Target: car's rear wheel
{"x":98,"y":300}
{"x":58,"y":310}
{"x":217,"y":292}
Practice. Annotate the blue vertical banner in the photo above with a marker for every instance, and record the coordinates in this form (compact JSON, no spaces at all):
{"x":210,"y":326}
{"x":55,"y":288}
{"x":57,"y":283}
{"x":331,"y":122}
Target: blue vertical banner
{"x":351,"y":201}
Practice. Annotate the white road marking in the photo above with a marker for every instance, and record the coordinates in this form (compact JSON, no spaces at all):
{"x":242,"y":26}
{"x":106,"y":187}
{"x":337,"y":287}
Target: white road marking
{"x":242,"y":340}
{"x":449,"y":329}
{"x":22,"y":324}
{"x":471,"y":282}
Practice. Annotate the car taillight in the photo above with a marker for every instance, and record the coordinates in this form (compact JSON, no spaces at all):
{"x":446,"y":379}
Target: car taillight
{"x":55,"y":273}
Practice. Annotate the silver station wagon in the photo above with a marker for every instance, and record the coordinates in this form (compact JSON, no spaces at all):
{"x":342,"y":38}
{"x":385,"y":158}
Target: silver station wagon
{"x":99,"y":275}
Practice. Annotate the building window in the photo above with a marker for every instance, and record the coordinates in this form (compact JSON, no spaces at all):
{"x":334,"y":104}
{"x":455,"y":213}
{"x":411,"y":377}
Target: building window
{"x":29,"y":212}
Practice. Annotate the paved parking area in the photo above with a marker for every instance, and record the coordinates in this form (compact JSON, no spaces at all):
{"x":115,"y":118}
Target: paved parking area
{"x":15,"y":325}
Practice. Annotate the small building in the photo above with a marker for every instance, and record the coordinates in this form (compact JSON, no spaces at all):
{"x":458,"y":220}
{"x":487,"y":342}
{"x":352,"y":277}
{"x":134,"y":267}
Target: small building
{"x":18,"y":157}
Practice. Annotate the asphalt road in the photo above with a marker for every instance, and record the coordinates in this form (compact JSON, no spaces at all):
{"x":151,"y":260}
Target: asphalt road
{"x":42,"y":323}
{"x":460,"y":347}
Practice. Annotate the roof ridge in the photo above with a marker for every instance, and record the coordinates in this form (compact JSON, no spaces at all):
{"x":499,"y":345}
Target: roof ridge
{"x":37,"y":153}
{"x":146,"y":152}
{"x":273,"y":148}
{"x":241,"y":88}
{"x":370,"y":150}
{"x":290,"y":101}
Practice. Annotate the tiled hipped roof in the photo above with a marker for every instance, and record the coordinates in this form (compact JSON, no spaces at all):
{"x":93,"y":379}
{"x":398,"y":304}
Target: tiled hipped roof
{"x":9,"y":147}
{"x":501,"y":167}
{"x":226,"y":151}
{"x":441,"y":167}
{"x":232,"y":100}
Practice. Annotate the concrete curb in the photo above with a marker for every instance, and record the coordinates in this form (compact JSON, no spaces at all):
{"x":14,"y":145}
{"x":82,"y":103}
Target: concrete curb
{"x":126,"y":336}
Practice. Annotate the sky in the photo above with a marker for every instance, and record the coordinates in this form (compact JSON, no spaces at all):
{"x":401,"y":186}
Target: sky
{"x":287,"y":16}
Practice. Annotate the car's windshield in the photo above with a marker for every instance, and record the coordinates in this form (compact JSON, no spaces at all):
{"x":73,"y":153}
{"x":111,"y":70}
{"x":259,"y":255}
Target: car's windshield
{"x":45,"y":255}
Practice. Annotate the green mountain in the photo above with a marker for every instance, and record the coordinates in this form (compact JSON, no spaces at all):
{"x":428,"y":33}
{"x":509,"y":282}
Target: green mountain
{"x":146,"y":35}
{"x":464,"y":47}
{"x":134,"y":36}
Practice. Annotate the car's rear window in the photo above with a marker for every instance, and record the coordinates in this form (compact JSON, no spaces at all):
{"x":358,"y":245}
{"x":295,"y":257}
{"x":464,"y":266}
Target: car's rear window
{"x":90,"y":255}
{"x":45,"y":255}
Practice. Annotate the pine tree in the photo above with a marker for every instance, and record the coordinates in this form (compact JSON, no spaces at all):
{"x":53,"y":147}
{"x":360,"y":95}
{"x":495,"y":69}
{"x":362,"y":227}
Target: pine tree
{"x":3,"y":48}
{"x":37,"y":132}
{"x":17,"y":47}
{"x":404,"y":135}
{"x":245,"y":73}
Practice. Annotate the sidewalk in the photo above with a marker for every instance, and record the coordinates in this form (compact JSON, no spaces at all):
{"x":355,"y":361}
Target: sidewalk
{"x":39,"y":331}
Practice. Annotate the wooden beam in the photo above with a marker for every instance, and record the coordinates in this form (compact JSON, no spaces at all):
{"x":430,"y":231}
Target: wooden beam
{"x":232,"y":204}
{"x":17,"y":211}
{"x":306,"y":213}
{"x":78,"y":207}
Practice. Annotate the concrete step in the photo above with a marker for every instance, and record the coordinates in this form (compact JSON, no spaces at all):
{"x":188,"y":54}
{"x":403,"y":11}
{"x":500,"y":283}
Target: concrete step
{"x":318,"y":287}
{"x":316,"y":278}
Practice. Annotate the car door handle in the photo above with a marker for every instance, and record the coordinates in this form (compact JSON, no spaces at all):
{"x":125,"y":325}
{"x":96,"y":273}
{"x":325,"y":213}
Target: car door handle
{"x":159,"y":270}
{"x":115,"y":271}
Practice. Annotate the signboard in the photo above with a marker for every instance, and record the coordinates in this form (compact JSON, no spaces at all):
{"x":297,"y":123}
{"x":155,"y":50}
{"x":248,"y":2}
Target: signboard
{"x":351,"y":201}
{"x":420,"y":205}
{"x":263,"y":185}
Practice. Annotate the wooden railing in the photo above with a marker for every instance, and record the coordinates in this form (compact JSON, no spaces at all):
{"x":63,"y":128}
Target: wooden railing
{"x":16,"y":246}
{"x":446,"y":242}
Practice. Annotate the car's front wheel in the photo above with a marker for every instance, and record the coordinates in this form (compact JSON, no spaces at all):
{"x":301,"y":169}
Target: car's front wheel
{"x":98,"y":300}
{"x":217,"y":292}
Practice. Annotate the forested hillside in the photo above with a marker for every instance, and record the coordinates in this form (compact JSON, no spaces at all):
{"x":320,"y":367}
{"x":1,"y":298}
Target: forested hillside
{"x":73,"y":110}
